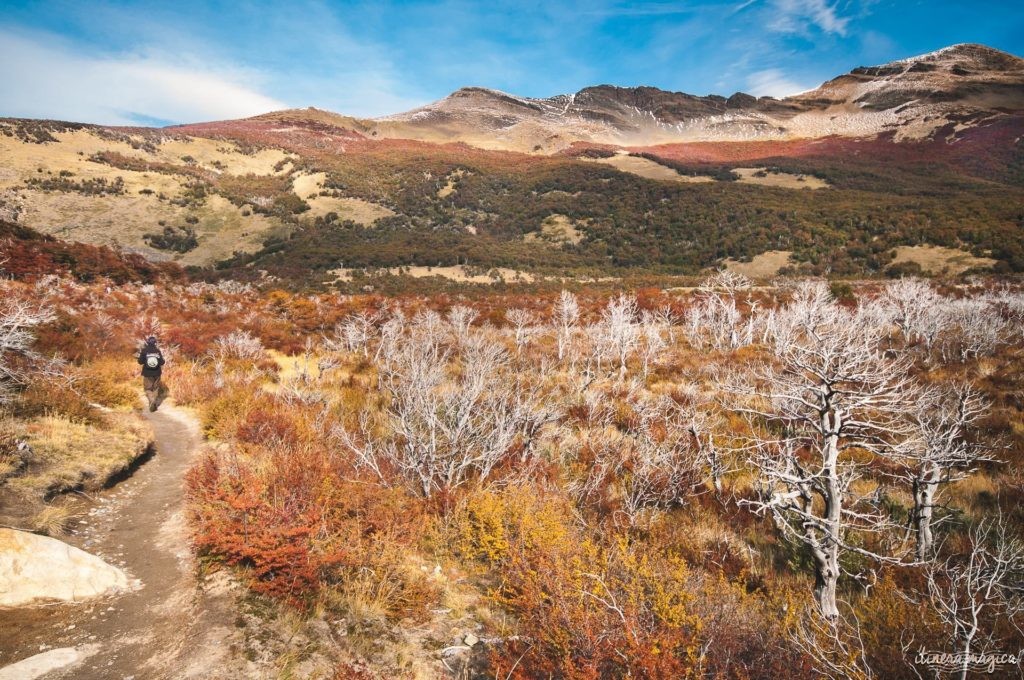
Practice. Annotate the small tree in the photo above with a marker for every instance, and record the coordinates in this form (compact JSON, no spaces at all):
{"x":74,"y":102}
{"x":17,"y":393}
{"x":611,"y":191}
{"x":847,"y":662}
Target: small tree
{"x":669,"y":318}
{"x":618,"y":332}
{"x":356,"y":331}
{"x":917,"y":310}
{"x":696,"y":411}
{"x":652,"y":340}
{"x":976,"y":329}
{"x":714,"y":320}
{"x":461,"y":318}
{"x":237,"y":345}
{"x":448,"y":417}
{"x":522,"y":321}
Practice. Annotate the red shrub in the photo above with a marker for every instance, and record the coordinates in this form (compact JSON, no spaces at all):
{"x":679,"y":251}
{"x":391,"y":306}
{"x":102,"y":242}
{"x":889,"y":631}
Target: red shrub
{"x":288,"y":519}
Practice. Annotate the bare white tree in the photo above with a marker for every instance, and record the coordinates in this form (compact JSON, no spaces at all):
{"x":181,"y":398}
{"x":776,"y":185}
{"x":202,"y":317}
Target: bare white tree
{"x":939,"y":452}
{"x":714,"y":320}
{"x":460,"y":318}
{"x":972,"y":590}
{"x":977,"y":329}
{"x":670,"y":319}
{"x":917,"y":310}
{"x":1012,"y":303}
{"x":391,"y":332}
{"x":566,"y":316}
{"x":356,"y":331}
{"x":237,"y":345}
{"x":448,"y":418}
{"x":835,"y":647}
{"x":701,"y":416}
{"x":830,"y":392}
{"x":651,"y":343}
{"x":18,"y":319}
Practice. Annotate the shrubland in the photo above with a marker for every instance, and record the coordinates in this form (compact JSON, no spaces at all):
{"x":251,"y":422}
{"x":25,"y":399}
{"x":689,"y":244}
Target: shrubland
{"x":723,"y":481}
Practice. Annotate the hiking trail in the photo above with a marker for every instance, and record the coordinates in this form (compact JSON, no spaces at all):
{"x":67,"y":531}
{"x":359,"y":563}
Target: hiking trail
{"x":171,"y":627}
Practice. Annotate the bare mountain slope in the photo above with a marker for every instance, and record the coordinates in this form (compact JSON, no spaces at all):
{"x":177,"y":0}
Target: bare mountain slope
{"x":912,"y":98}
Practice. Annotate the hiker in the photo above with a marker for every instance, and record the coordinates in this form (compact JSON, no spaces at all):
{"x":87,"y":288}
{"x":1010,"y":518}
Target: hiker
{"x":152,"y":361}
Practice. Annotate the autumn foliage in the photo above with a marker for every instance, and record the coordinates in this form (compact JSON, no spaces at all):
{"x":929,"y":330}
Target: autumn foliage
{"x":578,"y":490}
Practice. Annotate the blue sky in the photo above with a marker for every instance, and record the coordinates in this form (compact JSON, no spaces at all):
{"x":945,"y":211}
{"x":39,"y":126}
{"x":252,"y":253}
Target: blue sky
{"x":159,"y":62}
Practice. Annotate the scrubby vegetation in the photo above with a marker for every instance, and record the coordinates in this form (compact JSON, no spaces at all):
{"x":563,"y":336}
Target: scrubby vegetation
{"x":36,"y":131}
{"x":632,"y":222}
{"x":66,"y":421}
{"x":65,"y":182}
{"x":726,"y":481}
{"x":626,"y":480}
{"x":175,"y":239}
{"x":28,"y":255}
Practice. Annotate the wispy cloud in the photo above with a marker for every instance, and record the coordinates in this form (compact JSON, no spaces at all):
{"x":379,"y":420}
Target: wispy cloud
{"x":796,"y":16}
{"x":773,"y":83}
{"x":742,"y":6}
{"x":42,"y":77}
{"x":145,"y":60}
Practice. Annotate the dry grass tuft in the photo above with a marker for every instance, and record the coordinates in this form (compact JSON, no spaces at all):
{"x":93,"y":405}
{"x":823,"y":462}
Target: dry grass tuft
{"x":52,"y":520}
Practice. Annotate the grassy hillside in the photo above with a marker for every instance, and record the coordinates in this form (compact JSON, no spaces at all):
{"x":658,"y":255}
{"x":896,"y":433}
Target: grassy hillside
{"x":299,"y":199}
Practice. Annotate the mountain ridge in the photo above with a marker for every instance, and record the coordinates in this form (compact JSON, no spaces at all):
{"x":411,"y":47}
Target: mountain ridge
{"x":912,"y":97}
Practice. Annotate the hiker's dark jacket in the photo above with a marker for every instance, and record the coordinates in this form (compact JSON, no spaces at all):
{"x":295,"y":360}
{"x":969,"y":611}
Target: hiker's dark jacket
{"x":151,"y":352}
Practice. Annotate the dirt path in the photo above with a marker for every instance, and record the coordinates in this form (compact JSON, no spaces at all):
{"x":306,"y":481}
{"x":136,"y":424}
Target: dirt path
{"x":170,"y":627}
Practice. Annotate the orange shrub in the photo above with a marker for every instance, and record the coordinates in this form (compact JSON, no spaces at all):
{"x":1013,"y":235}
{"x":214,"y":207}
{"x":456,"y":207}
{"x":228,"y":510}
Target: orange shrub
{"x":593,"y":612}
{"x":190,"y":383}
{"x":268,"y":425}
{"x":56,"y":397}
{"x":110,"y":382}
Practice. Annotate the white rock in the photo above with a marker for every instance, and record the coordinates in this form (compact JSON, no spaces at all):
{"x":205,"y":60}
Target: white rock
{"x":38,"y":568}
{"x":41,"y":664}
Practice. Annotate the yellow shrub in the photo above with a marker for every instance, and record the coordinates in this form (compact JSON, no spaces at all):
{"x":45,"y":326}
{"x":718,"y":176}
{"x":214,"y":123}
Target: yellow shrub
{"x":489,"y":523}
{"x":191,"y":383}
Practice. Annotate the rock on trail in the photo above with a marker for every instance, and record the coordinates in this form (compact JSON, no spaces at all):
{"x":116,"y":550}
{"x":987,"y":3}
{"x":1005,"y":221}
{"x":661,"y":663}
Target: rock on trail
{"x":39,"y":568}
{"x":47,"y":662}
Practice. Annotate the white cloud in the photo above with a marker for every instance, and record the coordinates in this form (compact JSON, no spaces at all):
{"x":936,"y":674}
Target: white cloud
{"x":772,"y":82}
{"x":794,"y":16}
{"x":42,"y":78}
